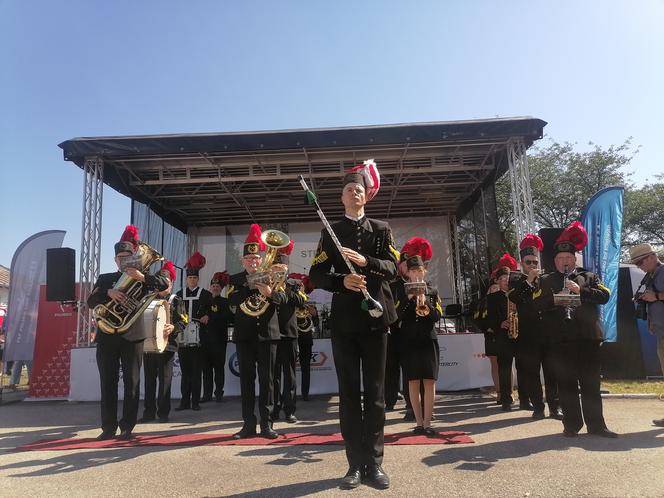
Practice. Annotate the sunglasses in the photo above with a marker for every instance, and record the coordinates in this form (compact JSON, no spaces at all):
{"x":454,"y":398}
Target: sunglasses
{"x":533,"y":262}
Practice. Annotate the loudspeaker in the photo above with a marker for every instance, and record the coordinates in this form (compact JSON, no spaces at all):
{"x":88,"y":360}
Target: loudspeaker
{"x":548,"y":236}
{"x":60,"y":279}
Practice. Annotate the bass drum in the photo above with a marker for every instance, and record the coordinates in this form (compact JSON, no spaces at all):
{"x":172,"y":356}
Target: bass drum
{"x":155,"y":317}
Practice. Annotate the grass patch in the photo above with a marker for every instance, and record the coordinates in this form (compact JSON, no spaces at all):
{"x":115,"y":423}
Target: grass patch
{"x":633,"y":386}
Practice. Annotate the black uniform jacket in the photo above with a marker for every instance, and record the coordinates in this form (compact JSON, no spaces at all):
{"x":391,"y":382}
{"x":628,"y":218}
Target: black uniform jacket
{"x":295,"y":298}
{"x":106,"y":281}
{"x":585,"y":318}
{"x":496,"y":313}
{"x":196,"y":302}
{"x":220,"y":317}
{"x":414,"y":328}
{"x":264,"y":327}
{"x":372,"y":239}
{"x":530,"y":318}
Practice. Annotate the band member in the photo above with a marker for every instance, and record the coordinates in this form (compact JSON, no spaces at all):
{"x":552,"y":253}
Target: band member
{"x":419,"y":309}
{"x":284,"y":394}
{"x":197,"y":303}
{"x":359,"y":341}
{"x":649,"y":297}
{"x":255,"y":336}
{"x":214,"y":339}
{"x":307,"y":322}
{"x":125,"y":350}
{"x":158,"y":367}
{"x":533,"y":352}
{"x":394,"y":364}
{"x":480,"y":316}
{"x":500,"y":322}
{"x":575,"y":334}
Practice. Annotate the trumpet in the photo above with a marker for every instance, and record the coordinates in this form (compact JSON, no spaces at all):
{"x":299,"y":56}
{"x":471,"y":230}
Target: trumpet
{"x":419,"y":290}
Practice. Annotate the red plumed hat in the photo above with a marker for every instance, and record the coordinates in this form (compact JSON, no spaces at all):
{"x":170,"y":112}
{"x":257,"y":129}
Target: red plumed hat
{"x":253,"y":243}
{"x":168,"y":269}
{"x":365,"y":174}
{"x":129,"y":240}
{"x":306,"y":281}
{"x":417,"y":246}
{"x":505,"y":264}
{"x":221,"y":277}
{"x":574,"y":238}
{"x":530,"y":245}
{"x":195,"y":263}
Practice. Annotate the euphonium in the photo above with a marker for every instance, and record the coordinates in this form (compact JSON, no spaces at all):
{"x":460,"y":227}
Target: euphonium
{"x":269,"y":273}
{"x":115,"y":318}
{"x":305,"y":322}
{"x":512,"y":320}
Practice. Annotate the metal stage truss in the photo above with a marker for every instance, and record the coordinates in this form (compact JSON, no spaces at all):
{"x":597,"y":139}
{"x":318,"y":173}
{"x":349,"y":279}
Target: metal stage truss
{"x":194,"y":181}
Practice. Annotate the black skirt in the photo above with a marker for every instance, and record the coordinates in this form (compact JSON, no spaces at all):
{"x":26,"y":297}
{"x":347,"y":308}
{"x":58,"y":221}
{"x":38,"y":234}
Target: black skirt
{"x":490,"y":346}
{"x":420,"y":359}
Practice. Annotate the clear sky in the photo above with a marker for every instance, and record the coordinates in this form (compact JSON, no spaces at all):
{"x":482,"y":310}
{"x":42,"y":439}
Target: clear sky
{"x":593,"y":69}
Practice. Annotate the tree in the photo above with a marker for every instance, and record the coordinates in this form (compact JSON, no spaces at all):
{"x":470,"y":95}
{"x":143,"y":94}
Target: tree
{"x":643,"y":219}
{"x":562,"y":180}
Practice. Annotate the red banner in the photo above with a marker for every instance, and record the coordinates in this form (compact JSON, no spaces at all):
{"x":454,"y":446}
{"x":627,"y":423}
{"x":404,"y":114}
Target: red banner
{"x":56,"y":335}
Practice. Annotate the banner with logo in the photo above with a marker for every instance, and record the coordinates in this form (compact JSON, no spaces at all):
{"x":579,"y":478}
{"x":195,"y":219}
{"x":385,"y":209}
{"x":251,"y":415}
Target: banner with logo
{"x":602,"y":219}
{"x":28,"y":272}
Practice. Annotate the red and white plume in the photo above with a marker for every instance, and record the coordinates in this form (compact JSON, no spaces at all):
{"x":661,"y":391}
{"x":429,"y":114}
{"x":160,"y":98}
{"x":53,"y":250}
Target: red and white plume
{"x":168,"y":268}
{"x":196,"y":262}
{"x":130,"y":234}
{"x":532,"y":240}
{"x":369,"y":171}
{"x":507,"y":261}
{"x":288,"y":249}
{"x":417,"y":246}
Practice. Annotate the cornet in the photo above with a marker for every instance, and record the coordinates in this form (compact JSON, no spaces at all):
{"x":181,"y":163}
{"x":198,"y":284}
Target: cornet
{"x":419,"y":290}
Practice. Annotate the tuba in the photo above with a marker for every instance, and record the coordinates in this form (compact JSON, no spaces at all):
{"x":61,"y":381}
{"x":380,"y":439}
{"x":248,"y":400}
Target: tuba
{"x":116,"y":318}
{"x":271,"y":274}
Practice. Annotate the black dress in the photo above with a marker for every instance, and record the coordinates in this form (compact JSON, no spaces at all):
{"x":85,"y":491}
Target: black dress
{"x":419,"y":343}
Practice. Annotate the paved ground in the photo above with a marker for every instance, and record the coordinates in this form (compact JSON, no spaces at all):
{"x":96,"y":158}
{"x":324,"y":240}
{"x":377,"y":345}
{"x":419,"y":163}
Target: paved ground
{"x":513,"y":456}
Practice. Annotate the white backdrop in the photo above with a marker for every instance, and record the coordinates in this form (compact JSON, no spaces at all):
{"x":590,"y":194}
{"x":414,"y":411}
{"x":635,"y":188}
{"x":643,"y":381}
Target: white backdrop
{"x":462,"y":366}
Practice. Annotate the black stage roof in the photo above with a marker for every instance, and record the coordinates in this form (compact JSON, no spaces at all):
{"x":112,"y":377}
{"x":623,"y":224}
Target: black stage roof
{"x":209,"y":179}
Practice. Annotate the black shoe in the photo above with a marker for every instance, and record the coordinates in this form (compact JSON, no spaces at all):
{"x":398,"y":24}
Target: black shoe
{"x":163,"y":420}
{"x":376,"y":477}
{"x":145,"y":420}
{"x":205,"y":399}
{"x":526,"y":406}
{"x":659,"y":422}
{"x":106,"y":435}
{"x":218,"y":399}
{"x":179,"y":408}
{"x":506,"y":407}
{"x":196,"y":408}
{"x":268,"y":433}
{"x":409,"y":416}
{"x":418,"y":431}
{"x":305,"y":397}
{"x":275,"y":415}
{"x":244,"y":433}
{"x":603,"y":432}
{"x":430,"y":432}
{"x":291,"y":419}
{"x":557,"y":414}
{"x":352,"y":478}
{"x":125,"y":435}
{"x":538,"y":414}
{"x":567,"y":433}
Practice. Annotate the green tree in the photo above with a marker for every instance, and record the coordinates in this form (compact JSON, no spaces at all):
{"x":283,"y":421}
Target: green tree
{"x":562,"y":180}
{"x":644,"y":214}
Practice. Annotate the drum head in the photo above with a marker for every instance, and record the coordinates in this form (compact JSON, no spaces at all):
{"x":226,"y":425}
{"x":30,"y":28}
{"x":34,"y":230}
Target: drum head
{"x":160,"y":319}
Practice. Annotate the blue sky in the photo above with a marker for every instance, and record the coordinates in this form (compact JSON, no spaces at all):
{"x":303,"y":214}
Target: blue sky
{"x":592,"y":69}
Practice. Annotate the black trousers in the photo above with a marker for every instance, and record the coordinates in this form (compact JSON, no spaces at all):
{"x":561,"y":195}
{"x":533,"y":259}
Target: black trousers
{"x":535,"y":355}
{"x":190,"y":382}
{"x":360,"y":356}
{"x":253,"y":355}
{"x":157,"y":369}
{"x":284,"y":395}
{"x":392,"y":370}
{"x":506,"y":351}
{"x":577,"y":366}
{"x":113,"y":353}
{"x":305,"y":349}
{"x":214,"y":362}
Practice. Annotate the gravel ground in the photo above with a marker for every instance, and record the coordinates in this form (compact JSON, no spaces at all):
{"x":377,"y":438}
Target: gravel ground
{"x":512,"y":456}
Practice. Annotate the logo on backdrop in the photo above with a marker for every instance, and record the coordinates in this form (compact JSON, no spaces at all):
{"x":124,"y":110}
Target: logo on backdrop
{"x":233,"y":365}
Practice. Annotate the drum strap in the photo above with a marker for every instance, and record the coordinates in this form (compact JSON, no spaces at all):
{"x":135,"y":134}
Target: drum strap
{"x":190,"y":301}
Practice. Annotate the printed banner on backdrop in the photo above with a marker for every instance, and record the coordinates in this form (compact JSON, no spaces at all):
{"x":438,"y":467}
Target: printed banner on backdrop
{"x":28,"y":272}
{"x":602,"y":219}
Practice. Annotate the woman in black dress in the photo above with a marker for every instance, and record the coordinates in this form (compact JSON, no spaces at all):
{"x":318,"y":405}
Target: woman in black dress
{"x":418,"y":315}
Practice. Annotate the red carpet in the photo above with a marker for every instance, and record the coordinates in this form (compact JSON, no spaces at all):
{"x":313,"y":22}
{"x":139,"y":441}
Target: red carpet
{"x":450,"y":437}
